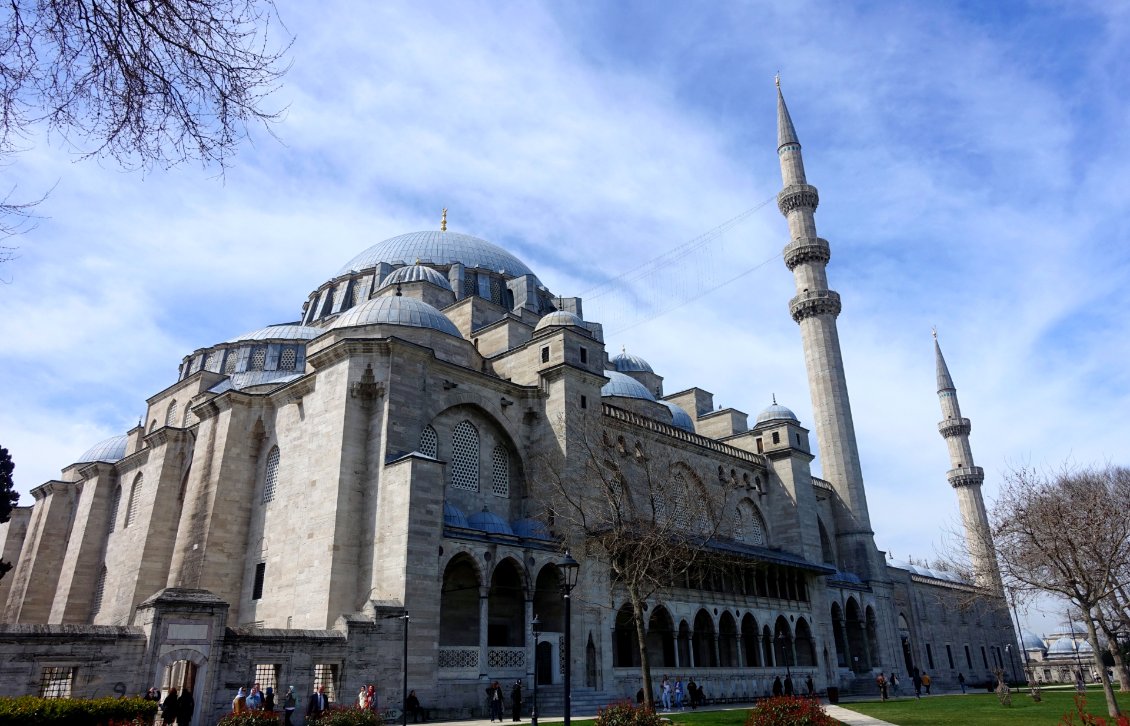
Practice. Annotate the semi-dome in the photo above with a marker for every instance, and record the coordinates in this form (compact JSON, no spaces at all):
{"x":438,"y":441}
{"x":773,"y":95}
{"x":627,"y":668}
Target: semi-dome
{"x":397,"y":310}
{"x":415,"y":273}
{"x":438,"y":248}
{"x":628,"y":363}
{"x":776,"y":412}
{"x":1031,"y":641}
{"x":1065,"y":645}
{"x":625,"y":387}
{"x":110,"y":450}
{"x":559,"y":318}
{"x":287,"y":331}
{"x":531,"y":529}
{"x":452,"y":517}
{"x":486,"y":521}
{"x":679,"y":418}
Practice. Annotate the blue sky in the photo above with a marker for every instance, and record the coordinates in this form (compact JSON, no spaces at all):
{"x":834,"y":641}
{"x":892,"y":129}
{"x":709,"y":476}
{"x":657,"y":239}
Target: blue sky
{"x":970,"y":159}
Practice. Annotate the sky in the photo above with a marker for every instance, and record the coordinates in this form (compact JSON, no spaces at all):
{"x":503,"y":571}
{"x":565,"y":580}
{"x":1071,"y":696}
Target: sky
{"x":970,"y":159}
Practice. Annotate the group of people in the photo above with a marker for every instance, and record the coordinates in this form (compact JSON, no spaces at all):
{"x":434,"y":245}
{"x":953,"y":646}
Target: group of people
{"x":673,"y":696}
{"x":786,"y":688}
{"x":920,"y":681}
{"x":175,"y":709}
{"x":259,"y":700}
{"x":496,"y":700}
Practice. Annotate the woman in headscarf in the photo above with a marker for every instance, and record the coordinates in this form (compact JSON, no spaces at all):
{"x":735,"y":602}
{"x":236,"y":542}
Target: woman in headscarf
{"x":239,"y":703}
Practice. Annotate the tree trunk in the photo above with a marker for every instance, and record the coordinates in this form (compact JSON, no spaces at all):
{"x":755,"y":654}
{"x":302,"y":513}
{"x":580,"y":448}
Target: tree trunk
{"x":1116,"y":654}
{"x":1092,"y":636}
{"x":641,"y":640}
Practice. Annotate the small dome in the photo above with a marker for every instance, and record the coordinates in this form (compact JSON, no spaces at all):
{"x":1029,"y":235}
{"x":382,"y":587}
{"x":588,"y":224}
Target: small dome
{"x":415,"y":273}
{"x":680,"y":419}
{"x":397,"y":310}
{"x":1064,"y":646}
{"x":531,"y":529}
{"x":110,"y":450}
{"x":281,"y":332}
{"x":1031,"y":641}
{"x":485,"y":521}
{"x":625,"y":387}
{"x":559,"y":318}
{"x":438,"y":248}
{"x":628,"y":363}
{"x":452,"y":517}
{"x":776,"y":412}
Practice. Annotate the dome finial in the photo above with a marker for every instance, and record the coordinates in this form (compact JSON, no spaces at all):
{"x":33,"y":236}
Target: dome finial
{"x":934,"y":331}
{"x":623,"y":349}
{"x":398,"y":292}
{"x":443,"y":221}
{"x":774,"y":399}
{"x":777,"y":79}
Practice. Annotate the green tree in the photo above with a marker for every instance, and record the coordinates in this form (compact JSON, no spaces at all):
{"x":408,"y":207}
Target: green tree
{"x":8,"y":496}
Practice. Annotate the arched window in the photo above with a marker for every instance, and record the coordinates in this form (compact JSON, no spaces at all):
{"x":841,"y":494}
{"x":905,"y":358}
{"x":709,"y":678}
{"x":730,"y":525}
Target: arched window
{"x":134,"y":501}
{"x":288,"y":358}
{"x":115,"y":500}
{"x":99,"y":589}
{"x":465,"y":457}
{"x":748,"y":525}
{"x":171,"y":414}
{"x":429,"y":442}
{"x":500,"y":471}
{"x":258,"y":358}
{"x":272,"y":474}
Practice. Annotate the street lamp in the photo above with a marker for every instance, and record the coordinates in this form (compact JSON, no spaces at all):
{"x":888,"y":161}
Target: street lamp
{"x":569,"y":570}
{"x":404,"y":682}
{"x":535,"y":625}
{"x":1011,"y":662}
{"x":782,"y":642}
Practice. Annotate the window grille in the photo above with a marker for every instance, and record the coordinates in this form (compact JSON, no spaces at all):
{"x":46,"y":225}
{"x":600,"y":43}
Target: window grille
{"x":325,"y":674}
{"x":495,"y":291}
{"x":500,"y":471}
{"x":739,"y":526}
{"x":272,"y":477}
{"x":260,"y":575}
{"x":56,"y":682}
{"x":230,"y":361}
{"x":99,"y":590}
{"x":115,"y":500}
{"x":134,"y":500}
{"x":258,"y":358}
{"x":756,"y":534}
{"x":429,"y":442}
{"x":267,"y":676}
{"x":288,"y":359}
{"x":465,"y":457}
{"x":171,"y":414}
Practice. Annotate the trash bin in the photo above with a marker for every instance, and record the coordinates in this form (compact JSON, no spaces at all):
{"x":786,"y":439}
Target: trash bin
{"x":833,"y":694}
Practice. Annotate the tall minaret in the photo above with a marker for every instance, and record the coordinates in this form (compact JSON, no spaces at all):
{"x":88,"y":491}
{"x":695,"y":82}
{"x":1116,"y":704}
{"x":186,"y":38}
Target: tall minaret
{"x":966,"y":479}
{"x":815,"y":308}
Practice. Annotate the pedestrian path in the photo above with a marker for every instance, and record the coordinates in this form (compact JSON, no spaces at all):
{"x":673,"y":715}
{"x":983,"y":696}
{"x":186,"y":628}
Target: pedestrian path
{"x":851,"y":718}
{"x":845,"y":716}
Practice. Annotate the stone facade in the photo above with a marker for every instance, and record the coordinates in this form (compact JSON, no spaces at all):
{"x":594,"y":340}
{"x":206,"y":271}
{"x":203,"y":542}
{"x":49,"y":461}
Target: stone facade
{"x":298,"y":488}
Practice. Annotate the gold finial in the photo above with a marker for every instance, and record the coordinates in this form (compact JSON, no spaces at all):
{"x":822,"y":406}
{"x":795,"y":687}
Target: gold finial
{"x":777,"y":79}
{"x":443,"y":221}
{"x":417,"y":262}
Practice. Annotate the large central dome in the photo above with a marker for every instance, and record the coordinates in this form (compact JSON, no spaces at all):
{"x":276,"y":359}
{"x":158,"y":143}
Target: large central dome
{"x":438,"y":248}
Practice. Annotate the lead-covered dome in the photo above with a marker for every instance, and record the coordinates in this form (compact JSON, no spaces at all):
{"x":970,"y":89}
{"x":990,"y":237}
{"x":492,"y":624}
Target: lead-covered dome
{"x":625,"y":387}
{"x":110,"y":450}
{"x":438,"y":248}
{"x":628,"y":363}
{"x":1066,"y":645}
{"x":281,"y":332}
{"x":1031,"y":641}
{"x":487,"y":521}
{"x":559,"y":318}
{"x":397,"y":310}
{"x":680,"y":419}
{"x":776,"y":412}
{"x":415,"y":273}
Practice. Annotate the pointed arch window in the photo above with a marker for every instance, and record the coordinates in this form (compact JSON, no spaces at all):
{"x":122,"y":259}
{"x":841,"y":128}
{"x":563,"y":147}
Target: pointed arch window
{"x":99,"y":590}
{"x":134,"y":501}
{"x":115,"y":500}
{"x":171,"y":414}
{"x":748,"y":526}
{"x":270,"y":480}
{"x":465,"y":457}
{"x":429,"y":442}
{"x":500,"y":471}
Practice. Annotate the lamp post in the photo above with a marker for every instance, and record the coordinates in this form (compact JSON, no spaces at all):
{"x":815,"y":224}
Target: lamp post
{"x":782,"y":642}
{"x":569,"y":571}
{"x":1011,"y":662}
{"x":1079,"y":680}
{"x":404,"y":682}
{"x":535,"y":625}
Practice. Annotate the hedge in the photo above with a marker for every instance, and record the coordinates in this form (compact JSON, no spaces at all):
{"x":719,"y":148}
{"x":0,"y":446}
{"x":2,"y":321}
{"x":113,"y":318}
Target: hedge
{"x":35,"y":711}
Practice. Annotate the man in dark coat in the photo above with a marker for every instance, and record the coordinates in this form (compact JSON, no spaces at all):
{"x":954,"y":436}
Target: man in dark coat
{"x":318,"y":702}
{"x":516,"y":701}
{"x":778,"y":689}
{"x":169,"y":707}
{"x":186,"y":705}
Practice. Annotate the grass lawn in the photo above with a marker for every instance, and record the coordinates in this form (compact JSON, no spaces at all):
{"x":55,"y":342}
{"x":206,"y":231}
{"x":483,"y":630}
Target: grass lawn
{"x":983,"y":709}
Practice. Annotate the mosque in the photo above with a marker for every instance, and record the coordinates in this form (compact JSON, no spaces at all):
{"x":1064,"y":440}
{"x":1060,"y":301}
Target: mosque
{"x":296,"y":490}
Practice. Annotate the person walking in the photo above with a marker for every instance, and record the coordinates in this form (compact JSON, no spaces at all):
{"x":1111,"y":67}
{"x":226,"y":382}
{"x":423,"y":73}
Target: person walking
{"x":255,"y":698}
{"x":494,"y":702}
{"x":917,"y":681}
{"x":169,"y":708}
{"x":809,"y":685}
{"x":665,"y":693}
{"x":679,"y":693}
{"x":289,"y":703}
{"x":894,"y":681}
{"x":961,"y":681}
{"x":789,"y":685}
{"x":239,"y":703}
{"x":778,"y":687}
{"x":318,"y":702}
{"x":926,"y":682}
{"x":692,"y":693}
{"x":516,"y":701}
{"x":881,"y":681}
{"x":269,"y":699}
{"x":186,"y":706}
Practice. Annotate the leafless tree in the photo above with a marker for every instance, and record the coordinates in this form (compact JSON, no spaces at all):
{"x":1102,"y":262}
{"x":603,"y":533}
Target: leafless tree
{"x":643,"y":513}
{"x":1068,"y":534}
{"x":148,"y":83}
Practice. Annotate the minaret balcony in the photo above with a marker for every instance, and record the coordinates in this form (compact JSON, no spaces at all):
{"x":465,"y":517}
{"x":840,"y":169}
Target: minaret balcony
{"x":954,"y":427}
{"x":797,"y":196}
{"x":806,"y":249}
{"x":966,"y":476}
{"x":814,"y":302}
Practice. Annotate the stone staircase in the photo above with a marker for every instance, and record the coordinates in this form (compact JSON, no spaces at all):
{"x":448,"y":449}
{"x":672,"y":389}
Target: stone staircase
{"x":551,"y":701}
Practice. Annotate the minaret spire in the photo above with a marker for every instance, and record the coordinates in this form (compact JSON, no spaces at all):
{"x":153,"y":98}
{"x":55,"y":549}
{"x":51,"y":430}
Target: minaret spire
{"x":966,"y":478}
{"x":815,"y":308}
